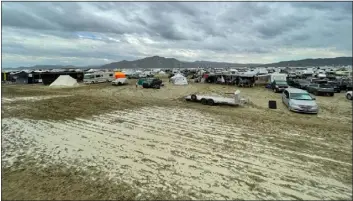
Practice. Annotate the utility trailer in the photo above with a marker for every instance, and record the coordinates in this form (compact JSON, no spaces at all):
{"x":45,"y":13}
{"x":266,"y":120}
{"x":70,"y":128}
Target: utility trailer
{"x":217,"y":100}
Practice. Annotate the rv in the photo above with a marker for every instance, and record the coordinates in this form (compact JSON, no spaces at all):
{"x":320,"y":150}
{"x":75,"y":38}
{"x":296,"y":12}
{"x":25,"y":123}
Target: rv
{"x":278,"y":77}
{"x":97,"y":77}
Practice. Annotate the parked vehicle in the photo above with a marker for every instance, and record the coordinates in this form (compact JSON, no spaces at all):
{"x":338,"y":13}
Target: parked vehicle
{"x":245,"y":81}
{"x":302,"y":84}
{"x":349,"y":86}
{"x":279,"y":85}
{"x":152,"y":83}
{"x":349,"y":95}
{"x":278,"y":77}
{"x":319,"y":81}
{"x":292,"y":82}
{"x":298,"y":100}
{"x":119,"y":81}
{"x":133,"y":76}
{"x":344,"y":84}
{"x":98,"y":77}
{"x":217,"y":99}
{"x":320,"y":89}
{"x":335,"y":85}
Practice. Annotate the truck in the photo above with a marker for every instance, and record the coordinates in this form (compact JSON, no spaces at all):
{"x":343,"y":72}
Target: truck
{"x":98,"y":77}
{"x":217,"y":99}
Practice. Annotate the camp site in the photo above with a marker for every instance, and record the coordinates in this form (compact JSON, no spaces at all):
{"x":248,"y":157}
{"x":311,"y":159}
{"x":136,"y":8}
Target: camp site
{"x":174,"y":100}
{"x":201,"y":133}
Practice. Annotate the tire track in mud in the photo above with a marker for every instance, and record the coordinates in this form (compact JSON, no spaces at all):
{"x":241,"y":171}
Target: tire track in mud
{"x":207,"y":129}
{"x":5,"y":100}
{"x":227,"y":131}
{"x":196,"y":151}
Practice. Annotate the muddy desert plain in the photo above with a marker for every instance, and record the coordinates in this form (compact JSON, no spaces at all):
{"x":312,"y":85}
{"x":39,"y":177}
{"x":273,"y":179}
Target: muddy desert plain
{"x":120,"y":142}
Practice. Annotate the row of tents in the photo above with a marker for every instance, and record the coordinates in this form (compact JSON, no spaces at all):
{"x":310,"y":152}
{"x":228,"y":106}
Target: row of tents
{"x":68,"y":81}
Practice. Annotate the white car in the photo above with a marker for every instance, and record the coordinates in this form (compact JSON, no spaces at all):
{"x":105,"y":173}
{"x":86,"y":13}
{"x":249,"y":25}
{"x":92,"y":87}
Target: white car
{"x":119,"y":81}
{"x":298,"y":100}
{"x":349,"y":95}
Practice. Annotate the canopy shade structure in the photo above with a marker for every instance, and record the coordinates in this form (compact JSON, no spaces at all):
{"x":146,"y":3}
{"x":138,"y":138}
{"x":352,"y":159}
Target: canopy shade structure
{"x":119,"y":75}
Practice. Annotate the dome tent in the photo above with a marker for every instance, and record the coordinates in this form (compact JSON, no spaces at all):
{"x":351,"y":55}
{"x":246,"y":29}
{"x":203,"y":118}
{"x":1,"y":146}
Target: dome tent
{"x":179,"y":79}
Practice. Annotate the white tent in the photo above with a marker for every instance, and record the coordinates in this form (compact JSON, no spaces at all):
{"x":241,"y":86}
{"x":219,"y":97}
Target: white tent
{"x":91,"y":70}
{"x":179,"y":79}
{"x":64,"y":81}
{"x":221,"y":79}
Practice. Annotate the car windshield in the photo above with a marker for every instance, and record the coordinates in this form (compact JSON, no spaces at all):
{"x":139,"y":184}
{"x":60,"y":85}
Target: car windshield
{"x":281,"y":82}
{"x":304,"y":82}
{"x":325,"y":86}
{"x":300,"y":96}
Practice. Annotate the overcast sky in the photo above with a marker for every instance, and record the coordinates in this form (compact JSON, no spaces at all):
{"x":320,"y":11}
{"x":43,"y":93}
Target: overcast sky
{"x":90,"y":33}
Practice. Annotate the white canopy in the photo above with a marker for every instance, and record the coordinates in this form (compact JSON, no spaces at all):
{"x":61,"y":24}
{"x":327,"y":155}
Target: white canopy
{"x":64,"y":81}
{"x":179,"y":79}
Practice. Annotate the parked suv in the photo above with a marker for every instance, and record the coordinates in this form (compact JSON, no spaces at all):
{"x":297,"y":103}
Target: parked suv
{"x":278,"y":85}
{"x":152,"y":83}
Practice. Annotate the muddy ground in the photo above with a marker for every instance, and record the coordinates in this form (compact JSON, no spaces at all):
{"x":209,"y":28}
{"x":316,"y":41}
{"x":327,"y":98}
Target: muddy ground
{"x":107,"y":142}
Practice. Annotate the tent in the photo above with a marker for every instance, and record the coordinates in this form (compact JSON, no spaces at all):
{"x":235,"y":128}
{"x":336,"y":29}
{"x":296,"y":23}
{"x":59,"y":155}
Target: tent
{"x":64,"y":81}
{"x":119,"y":75}
{"x":179,"y":79}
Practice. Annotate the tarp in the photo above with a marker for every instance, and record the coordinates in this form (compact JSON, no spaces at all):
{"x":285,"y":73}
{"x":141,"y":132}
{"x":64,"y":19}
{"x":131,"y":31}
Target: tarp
{"x":119,"y":75}
{"x":179,"y":79}
{"x":64,"y":81}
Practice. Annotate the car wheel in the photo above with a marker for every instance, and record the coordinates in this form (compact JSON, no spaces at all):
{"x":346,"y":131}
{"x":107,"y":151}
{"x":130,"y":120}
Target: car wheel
{"x":203,"y":101}
{"x":349,"y":97}
{"x":332,"y":94}
{"x":119,"y":83}
{"x":275,"y":90}
{"x":193,"y":97}
{"x":289,"y":108}
{"x":92,"y":82}
{"x":210,"y":102}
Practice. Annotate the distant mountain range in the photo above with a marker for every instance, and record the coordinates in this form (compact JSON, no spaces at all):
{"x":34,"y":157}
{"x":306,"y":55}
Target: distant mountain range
{"x":162,"y":62}
{"x":313,"y":62}
{"x":45,"y":67}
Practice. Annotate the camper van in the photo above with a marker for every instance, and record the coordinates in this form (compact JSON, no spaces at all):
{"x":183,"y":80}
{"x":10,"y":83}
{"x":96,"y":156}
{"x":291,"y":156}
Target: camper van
{"x":98,"y":77}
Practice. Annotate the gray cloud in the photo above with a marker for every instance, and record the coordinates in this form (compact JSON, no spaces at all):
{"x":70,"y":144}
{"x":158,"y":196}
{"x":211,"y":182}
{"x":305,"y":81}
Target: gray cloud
{"x":275,"y":27}
{"x":222,"y":31}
